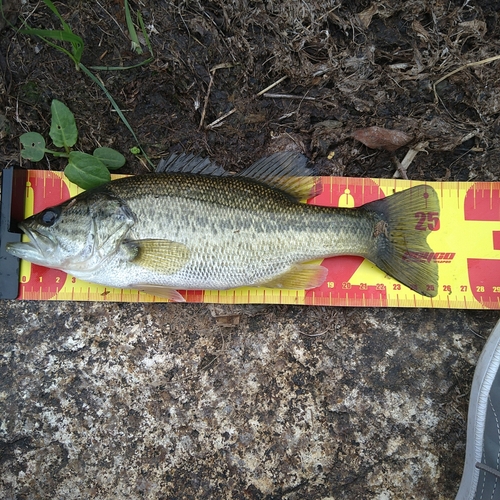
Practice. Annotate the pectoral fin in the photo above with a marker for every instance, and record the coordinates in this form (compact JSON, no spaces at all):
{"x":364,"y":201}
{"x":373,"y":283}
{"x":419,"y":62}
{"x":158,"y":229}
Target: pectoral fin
{"x":299,"y":277}
{"x":160,"y":291}
{"x":163,"y":256}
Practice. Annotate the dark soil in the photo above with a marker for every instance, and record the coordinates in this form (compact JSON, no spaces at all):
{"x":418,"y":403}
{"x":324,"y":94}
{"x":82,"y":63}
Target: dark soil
{"x":340,"y":68}
{"x":346,"y":67}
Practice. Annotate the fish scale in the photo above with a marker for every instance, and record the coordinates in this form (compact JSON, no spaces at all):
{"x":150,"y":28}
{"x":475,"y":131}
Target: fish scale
{"x":254,"y":232}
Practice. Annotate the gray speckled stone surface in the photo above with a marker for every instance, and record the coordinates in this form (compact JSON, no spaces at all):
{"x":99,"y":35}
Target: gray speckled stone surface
{"x":158,"y":401}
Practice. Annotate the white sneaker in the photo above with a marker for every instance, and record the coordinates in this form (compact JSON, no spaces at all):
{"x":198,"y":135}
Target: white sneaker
{"x":481,"y":476}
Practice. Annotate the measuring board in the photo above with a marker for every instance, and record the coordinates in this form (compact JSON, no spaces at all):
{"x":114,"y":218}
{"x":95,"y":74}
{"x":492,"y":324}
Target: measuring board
{"x":465,"y":239}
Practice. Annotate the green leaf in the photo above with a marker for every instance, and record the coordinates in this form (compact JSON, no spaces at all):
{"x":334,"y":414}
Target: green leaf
{"x":60,"y":35}
{"x":136,"y":45}
{"x":110,"y":157}
{"x":145,"y":34}
{"x":63,"y":129}
{"x":86,"y":170}
{"x":53,"y":8}
{"x":66,"y":35}
{"x":33,"y":146}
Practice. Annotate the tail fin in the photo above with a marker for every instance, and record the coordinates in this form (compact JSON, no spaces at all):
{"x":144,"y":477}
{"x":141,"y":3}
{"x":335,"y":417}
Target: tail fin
{"x":402,"y":224}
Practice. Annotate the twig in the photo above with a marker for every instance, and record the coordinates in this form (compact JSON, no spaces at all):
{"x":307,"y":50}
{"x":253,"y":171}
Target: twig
{"x":263,"y":92}
{"x":205,"y":104}
{"x":468,"y":65}
{"x":315,"y":334}
{"x":217,"y":122}
{"x":226,"y":65}
{"x":272,"y":85}
{"x":400,"y":171}
{"x":475,"y":333}
{"x":409,"y":157}
{"x":288,"y":96}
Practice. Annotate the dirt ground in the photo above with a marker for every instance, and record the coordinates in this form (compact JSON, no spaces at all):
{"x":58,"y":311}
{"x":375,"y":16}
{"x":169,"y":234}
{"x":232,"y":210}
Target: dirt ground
{"x":235,"y":81}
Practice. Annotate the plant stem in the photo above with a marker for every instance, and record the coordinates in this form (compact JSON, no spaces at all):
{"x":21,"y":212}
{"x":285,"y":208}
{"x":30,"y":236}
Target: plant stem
{"x":57,"y":154}
{"x":115,"y":107}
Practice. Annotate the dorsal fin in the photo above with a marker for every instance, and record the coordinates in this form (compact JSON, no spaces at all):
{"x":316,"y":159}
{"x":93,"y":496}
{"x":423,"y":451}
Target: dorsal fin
{"x":183,"y":163}
{"x":287,"y":171}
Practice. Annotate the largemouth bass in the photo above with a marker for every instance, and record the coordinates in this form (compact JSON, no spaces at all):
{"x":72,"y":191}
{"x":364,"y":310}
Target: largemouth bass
{"x":195,"y":227}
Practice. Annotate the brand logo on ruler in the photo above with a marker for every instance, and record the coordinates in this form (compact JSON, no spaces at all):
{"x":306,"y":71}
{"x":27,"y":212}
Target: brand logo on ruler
{"x":438,"y":257}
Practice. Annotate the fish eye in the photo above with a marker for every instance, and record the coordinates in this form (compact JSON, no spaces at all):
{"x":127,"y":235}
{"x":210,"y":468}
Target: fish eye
{"x":49,"y":217}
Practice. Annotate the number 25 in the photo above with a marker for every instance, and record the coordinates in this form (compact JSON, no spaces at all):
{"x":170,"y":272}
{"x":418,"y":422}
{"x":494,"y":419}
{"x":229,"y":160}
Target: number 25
{"x":427,"y":221}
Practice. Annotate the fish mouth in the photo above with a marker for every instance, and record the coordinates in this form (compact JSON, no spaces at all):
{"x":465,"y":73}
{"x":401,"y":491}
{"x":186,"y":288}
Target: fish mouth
{"x":35,"y":250}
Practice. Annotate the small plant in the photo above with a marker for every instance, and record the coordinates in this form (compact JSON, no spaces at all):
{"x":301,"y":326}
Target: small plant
{"x":57,"y":39}
{"x":85,"y":170}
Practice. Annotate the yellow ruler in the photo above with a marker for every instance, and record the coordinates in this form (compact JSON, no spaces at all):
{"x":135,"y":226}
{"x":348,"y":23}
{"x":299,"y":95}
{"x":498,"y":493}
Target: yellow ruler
{"x":465,"y":239}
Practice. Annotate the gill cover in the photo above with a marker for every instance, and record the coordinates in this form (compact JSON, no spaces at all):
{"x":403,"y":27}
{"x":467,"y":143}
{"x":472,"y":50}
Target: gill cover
{"x":77,"y":234}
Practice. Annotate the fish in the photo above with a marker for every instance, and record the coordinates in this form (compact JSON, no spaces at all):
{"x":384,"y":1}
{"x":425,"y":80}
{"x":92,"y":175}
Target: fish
{"x":193,"y":226}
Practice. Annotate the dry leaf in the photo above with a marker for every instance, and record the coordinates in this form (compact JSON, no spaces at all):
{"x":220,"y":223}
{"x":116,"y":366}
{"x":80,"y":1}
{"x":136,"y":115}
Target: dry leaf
{"x":223,"y":317}
{"x":382,"y":138}
{"x":228,"y":320}
{"x":366,"y":16}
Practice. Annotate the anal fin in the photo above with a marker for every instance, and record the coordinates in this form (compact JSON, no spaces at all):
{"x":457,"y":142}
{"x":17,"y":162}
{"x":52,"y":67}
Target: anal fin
{"x":299,"y":277}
